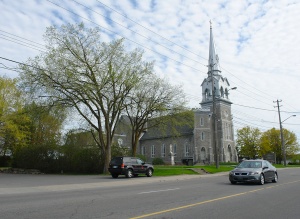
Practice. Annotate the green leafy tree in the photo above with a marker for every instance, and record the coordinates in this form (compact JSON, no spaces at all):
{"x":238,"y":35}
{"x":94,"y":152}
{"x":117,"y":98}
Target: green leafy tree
{"x":271,"y":142}
{"x":13,"y":120}
{"x":42,"y":140}
{"x":93,"y":77}
{"x":46,"y":123}
{"x":248,"y":142}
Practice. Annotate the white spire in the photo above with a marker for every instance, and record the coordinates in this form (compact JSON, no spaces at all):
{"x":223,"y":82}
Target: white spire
{"x":213,"y":59}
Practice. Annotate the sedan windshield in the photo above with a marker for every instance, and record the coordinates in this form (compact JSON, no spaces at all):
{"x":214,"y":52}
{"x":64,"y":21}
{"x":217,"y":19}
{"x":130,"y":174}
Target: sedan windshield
{"x":250,"y":164}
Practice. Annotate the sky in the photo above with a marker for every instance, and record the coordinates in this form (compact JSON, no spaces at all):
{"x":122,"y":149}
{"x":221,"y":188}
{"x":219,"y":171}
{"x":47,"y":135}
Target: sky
{"x":257,"y":42}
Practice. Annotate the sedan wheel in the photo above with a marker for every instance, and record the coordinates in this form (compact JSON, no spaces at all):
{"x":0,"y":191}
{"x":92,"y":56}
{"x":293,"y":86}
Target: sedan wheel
{"x":262,"y":179}
{"x":233,"y":182}
{"x":149,"y":172}
{"x":129,"y":173}
{"x":275,"y":178}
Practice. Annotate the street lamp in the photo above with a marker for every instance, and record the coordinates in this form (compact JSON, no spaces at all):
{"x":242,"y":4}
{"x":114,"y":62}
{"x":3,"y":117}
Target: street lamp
{"x":282,"y":139}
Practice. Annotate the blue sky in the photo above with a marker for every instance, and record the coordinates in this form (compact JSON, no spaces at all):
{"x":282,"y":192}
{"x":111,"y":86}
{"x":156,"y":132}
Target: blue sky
{"x":258,"y":44}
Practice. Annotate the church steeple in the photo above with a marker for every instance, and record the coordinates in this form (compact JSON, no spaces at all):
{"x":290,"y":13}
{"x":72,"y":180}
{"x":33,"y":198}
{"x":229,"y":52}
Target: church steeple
{"x":214,"y":78}
{"x":213,"y":59}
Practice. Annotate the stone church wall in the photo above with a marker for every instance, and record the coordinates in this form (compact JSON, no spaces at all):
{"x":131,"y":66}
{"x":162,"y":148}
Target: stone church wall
{"x":184,"y":146}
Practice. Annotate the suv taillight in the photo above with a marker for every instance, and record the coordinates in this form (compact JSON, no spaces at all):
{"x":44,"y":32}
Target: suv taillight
{"x":122,"y":165}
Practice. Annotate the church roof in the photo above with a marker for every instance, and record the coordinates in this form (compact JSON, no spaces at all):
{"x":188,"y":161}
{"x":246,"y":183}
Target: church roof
{"x":179,"y":126}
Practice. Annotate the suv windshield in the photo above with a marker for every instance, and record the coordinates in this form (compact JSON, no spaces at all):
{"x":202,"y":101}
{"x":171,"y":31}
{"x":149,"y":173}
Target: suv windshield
{"x":250,"y":164}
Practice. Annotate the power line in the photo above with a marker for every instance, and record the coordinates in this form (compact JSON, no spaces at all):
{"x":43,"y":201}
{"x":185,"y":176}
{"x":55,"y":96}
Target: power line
{"x":125,"y":37}
{"x":148,"y":38}
{"x":247,"y":84}
{"x":252,"y":97}
{"x":21,"y":44}
{"x":254,"y":107}
{"x":149,"y":30}
{"x":22,"y":38}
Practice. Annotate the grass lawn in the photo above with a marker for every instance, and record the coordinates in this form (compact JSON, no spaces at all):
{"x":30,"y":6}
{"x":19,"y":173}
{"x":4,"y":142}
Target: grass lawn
{"x":166,"y":170}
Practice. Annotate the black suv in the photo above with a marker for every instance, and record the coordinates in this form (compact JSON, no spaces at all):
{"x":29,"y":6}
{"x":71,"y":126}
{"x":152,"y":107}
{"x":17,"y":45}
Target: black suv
{"x":129,"y":166}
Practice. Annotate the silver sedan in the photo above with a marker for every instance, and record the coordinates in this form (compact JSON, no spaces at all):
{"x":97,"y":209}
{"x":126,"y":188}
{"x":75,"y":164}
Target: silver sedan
{"x":257,"y":171}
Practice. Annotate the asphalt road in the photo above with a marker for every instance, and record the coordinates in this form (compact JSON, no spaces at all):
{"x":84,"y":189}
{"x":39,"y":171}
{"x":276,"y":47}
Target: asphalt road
{"x":92,"y":196}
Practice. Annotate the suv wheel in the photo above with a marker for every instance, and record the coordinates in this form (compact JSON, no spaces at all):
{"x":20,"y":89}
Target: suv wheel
{"x":114,"y":175}
{"x":129,"y":173}
{"x":149,"y":172}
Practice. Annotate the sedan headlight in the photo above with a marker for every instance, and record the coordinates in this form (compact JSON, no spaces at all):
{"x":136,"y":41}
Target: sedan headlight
{"x":231,"y":173}
{"x":254,"y":173}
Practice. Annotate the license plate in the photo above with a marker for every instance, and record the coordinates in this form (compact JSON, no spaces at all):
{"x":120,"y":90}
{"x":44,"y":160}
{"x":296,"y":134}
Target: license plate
{"x":115,"y":166}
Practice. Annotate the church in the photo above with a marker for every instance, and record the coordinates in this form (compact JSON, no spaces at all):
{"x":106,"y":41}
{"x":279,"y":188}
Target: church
{"x":211,"y":137}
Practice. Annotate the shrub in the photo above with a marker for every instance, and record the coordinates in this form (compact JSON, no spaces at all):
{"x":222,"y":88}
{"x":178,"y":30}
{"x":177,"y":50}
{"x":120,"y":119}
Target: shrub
{"x":36,"y":157}
{"x":142,"y":157}
{"x":117,"y":151}
{"x":81,"y":160}
{"x":158,"y":161}
{"x":5,"y":161}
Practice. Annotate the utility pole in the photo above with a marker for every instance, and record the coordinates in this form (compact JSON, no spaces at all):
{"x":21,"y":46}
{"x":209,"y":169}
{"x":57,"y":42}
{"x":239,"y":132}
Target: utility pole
{"x":213,"y":131}
{"x":281,"y":134}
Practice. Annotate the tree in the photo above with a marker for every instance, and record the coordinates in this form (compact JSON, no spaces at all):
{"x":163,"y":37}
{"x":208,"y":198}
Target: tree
{"x":272,"y":141}
{"x":152,"y":98}
{"x":290,"y":142}
{"x":43,"y":138}
{"x":93,"y":77}
{"x":13,"y":120}
{"x":248,"y":142}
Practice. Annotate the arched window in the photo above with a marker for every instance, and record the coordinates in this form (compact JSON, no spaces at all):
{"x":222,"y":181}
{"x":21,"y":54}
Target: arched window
{"x":152,"y":151}
{"x":174,"y":150}
{"x":201,"y":121}
{"x":163,"y":150}
{"x":206,"y":93}
{"x":203,"y":154}
{"x":222,"y":92}
{"x":186,"y":150}
{"x":120,"y":142}
{"x":143,"y":150}
{"x":226,"y":93}
{"x":229,"y":153}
